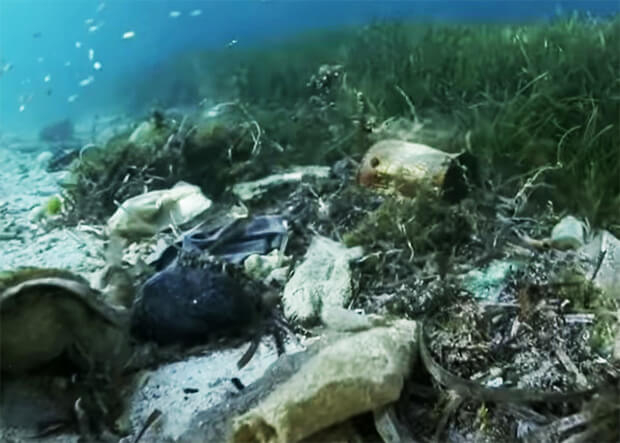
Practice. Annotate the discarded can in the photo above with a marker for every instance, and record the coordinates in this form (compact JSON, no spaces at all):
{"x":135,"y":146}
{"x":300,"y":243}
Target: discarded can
{"x":404,"y":167}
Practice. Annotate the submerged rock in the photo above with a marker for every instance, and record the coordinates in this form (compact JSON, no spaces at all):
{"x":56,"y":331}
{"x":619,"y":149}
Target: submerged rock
{"x":186,"y":305}
{"x":603,"y":252}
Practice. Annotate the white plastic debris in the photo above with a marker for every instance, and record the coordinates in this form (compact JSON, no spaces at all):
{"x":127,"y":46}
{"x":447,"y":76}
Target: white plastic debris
{"x":250,"y":190}
{"x":569,"y":233}
{"x":155,"y":211}
{"x":321,"y":282}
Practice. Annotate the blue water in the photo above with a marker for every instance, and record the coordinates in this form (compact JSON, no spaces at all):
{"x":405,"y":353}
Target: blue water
{"x":39,"y":39}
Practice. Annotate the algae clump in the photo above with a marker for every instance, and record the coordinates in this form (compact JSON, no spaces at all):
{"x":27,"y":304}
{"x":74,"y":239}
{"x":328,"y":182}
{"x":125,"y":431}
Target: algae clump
{"x":53,"y":206}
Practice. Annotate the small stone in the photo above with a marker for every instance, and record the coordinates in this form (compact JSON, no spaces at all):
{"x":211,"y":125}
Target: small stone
{"x":262,"y":267}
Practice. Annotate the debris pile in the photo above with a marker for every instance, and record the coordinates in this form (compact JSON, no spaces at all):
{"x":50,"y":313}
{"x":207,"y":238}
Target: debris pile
{"x":377,"y":287}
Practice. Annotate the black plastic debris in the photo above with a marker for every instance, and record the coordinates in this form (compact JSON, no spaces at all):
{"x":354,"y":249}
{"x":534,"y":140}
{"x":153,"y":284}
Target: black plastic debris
{"x":233,"y":242}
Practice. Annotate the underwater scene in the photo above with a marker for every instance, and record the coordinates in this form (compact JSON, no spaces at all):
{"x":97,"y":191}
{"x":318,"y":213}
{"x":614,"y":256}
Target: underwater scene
{"x":309,"y":221}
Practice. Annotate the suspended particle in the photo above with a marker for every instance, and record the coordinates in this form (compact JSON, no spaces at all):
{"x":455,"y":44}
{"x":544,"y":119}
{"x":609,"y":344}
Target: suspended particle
{"x":87,"y":81}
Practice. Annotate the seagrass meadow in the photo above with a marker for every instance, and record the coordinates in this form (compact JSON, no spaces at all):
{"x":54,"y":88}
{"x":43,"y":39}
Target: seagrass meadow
{"x":538,"y":99}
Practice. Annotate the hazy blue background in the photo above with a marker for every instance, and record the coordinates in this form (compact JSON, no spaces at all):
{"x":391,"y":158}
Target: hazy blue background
{"x":61,"y":23}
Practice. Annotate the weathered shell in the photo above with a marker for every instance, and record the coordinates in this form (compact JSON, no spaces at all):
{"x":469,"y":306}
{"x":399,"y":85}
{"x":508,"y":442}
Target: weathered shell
{"x":46,"y":313}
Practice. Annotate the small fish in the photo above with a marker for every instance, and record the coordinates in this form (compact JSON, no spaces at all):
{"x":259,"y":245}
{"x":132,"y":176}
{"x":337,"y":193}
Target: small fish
{"x":22,"y":108}
{"x":78,"y":44}
{"x":97,"y":66}
{"x":89,"y":21}
{"x":47,"y":78}
{"x":129,"y":34}
{"x":87,"y":81}
{"x":37,"y":34}
{"x":174,"y":14}
{"x":91,"y":54}
{"x":5,"y":68}
{"x":94,"y":28}
{"x":232,"y":43}
{"x":195,"y":13}
{"x":72,"y":98}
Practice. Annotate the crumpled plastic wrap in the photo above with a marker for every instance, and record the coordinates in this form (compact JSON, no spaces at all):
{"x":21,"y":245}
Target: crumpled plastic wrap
{"x":155,"y":211}
{"x":358,"y":373}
